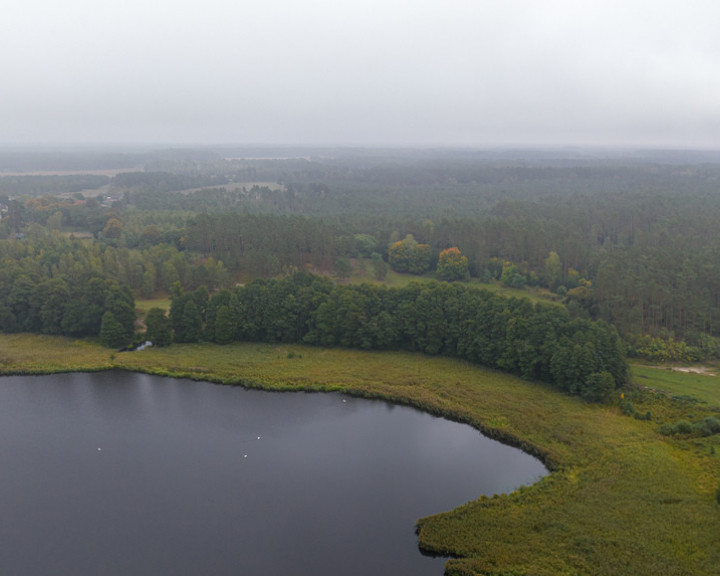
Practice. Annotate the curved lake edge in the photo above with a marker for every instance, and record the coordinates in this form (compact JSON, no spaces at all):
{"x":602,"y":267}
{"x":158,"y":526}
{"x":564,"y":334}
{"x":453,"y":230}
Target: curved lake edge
{"x":207,"y":378}
{"x":598,"y":490}
{"x":490,"y":432}
{"x":354,"y":473}
{"x":284,"y":388}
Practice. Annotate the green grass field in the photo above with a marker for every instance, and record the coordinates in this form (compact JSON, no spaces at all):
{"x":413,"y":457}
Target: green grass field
{"x":363,"y":272}
{"x":622,"y":498}
{"x":703,"y":385}
{"x":142,"y":306}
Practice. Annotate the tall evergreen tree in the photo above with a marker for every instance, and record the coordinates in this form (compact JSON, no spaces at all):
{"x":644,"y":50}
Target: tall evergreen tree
{"x":112,"y":332}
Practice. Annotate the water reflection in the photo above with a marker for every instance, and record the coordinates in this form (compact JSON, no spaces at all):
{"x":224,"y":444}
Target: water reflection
{"x":116,"y":473}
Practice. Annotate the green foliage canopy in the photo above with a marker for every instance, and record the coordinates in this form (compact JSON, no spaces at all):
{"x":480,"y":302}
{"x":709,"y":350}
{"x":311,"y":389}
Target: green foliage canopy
{"x":536,"y":341}
{"x":408,"y":256}
{"x":452,"y":265}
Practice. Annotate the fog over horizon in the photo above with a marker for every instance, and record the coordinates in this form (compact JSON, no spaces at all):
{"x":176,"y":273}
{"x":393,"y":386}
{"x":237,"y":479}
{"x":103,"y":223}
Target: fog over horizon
{"x":398,"y":74}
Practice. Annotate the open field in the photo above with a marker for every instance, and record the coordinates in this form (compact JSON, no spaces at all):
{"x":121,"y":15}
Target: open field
{"x":702,"y":384}
{"x":110,"y":172}
{"x":363,"y":273}
{"x":622,"y":498}
{"x":236,"y":187}
{"x":143,"y":306}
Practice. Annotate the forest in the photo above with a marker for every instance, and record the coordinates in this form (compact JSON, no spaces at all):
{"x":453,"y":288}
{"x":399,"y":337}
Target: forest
{"x":618,"y":247}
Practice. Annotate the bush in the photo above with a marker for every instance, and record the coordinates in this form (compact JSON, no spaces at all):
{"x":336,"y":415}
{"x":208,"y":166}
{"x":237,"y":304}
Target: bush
{"x":667,"y":429}
{"x":683,"y":427}
{"x":714,"y":424}
{"x":663,"y":350}
{"x":626,"y":407}
{"x":708,"y":426}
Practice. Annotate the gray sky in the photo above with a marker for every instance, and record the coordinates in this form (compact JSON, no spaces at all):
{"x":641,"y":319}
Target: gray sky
{"x":362,"y":72}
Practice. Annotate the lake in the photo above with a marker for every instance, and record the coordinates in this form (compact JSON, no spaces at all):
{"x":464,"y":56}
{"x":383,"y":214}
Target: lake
{"x":119,"y":473}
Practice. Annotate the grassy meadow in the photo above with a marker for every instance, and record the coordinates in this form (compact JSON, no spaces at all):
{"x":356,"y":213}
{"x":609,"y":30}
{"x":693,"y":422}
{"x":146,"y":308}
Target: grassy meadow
{"x":142,"y":307}
{"x":702,"y":384}
{"x":622,"y":499}
{"x":363,"y":273}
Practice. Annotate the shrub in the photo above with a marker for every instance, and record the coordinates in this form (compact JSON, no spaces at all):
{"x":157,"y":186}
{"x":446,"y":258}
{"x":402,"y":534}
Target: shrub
{"x":708,"y":426}
{"x":683,"y":427}
{"x":714,"y":424}
{"x":663,"y":350}
{"x":626,"y":407}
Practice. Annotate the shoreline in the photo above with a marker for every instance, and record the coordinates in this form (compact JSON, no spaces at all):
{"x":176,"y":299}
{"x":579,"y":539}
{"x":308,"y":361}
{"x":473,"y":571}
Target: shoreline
{"x":610,"y":475}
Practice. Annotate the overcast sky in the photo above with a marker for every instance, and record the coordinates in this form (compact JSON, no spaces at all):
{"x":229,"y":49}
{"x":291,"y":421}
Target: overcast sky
{"x":362,"y":72}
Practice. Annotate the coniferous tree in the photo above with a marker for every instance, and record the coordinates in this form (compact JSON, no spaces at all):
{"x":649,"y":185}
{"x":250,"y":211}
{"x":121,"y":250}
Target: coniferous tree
{"x":190,"y":323}
{"x":112,"y":333}
{"x":158,"y":327}
{"x":224,"y":328}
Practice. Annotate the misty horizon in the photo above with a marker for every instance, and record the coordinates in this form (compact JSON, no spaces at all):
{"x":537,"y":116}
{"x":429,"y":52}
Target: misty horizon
{"x":362,"y":74}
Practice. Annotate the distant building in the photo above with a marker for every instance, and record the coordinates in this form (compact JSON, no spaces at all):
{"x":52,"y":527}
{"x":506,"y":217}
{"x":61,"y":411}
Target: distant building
{"x":111,"y":199}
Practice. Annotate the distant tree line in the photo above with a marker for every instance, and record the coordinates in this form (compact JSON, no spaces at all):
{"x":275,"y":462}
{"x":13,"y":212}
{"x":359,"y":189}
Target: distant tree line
{"x":265,"y":244}
{"x":41,"y":185}
{"x":632,"y":243}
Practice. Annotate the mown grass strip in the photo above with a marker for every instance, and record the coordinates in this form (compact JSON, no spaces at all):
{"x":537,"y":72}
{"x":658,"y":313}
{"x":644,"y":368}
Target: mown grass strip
{"x":622,"y":498}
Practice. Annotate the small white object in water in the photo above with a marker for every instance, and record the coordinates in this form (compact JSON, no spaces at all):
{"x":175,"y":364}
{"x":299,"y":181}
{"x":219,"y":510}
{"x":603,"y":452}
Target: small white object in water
{"x":245,"y":456}
{"x":99,"y":449}
{"x":258,"y":437}
{"x":344,"y":400}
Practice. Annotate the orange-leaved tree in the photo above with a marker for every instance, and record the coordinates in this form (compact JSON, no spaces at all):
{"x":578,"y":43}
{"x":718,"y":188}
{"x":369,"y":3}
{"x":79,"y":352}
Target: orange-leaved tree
{"x":452,"y":265}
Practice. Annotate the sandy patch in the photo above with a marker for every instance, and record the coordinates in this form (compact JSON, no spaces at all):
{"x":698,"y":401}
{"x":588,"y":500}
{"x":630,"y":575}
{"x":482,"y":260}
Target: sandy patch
{"x":703,"y":370}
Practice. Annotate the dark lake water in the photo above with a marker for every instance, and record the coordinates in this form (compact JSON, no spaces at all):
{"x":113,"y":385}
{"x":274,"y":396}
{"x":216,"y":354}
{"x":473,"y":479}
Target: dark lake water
{"x":116,"y":473}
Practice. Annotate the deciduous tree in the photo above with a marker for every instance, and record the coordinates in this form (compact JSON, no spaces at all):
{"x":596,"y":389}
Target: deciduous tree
{"x":452,"y":265}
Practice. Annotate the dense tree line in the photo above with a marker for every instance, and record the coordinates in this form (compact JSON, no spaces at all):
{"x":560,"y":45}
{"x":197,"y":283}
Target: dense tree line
{"x":264,"y":244}
{"x":56,"y":305}
{"x":62,"y":285}
{"x":635,"y":239}
{"x":165,"y":181}
{"x":535,"y":341}
{"x":41,"y":185}
{"x":55,"y":285}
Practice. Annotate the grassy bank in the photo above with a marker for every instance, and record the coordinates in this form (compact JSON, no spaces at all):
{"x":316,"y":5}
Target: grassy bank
{"x":622,"y":498}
